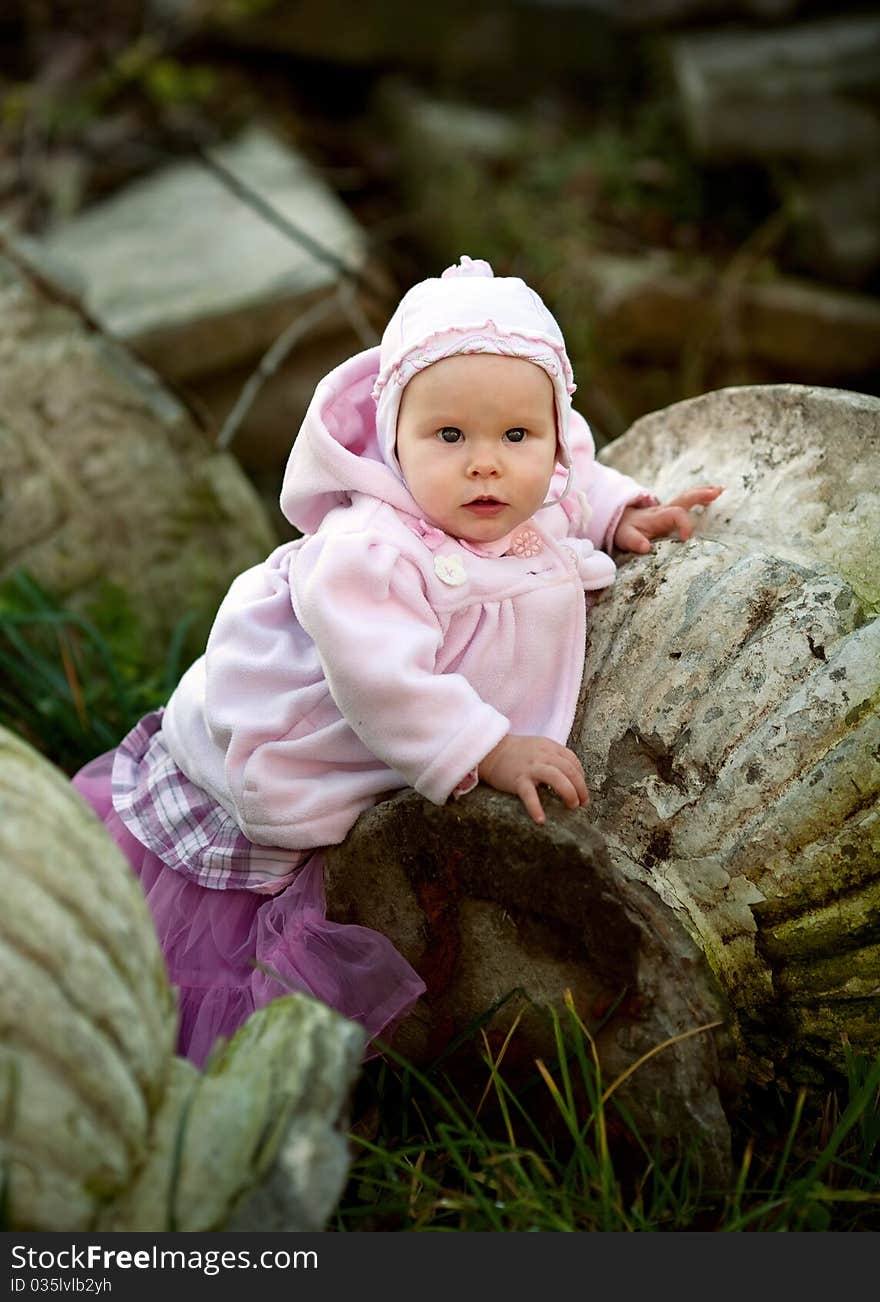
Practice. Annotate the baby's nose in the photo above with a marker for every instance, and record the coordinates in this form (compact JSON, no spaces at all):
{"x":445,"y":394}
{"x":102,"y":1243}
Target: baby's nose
{"x":482,"y":465}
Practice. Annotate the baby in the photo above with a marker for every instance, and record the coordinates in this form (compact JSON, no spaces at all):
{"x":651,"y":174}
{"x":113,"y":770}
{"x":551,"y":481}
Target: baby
{"x":428,"y":630}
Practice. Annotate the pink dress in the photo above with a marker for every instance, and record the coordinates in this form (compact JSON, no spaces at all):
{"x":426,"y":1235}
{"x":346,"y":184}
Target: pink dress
{"x":229,"y":951}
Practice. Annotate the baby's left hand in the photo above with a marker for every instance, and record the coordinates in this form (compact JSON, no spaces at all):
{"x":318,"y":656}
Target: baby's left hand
{"x":639,"y":524}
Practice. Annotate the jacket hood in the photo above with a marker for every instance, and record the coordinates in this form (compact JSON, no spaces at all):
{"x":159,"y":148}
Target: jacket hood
{"x":336,"y":452}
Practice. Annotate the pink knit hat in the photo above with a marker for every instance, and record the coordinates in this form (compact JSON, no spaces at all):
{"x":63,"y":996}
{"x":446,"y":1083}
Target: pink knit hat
{"x":468,"y":310}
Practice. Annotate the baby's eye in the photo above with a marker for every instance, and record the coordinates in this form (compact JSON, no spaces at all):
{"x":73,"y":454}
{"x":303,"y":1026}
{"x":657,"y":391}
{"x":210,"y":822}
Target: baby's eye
{"x":515,"y":435}
{"x":449,"y":434}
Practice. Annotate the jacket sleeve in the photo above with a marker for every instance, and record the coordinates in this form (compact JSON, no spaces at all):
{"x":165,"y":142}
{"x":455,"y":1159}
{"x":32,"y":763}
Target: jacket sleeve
{"x":598,"y":493}
{"x":366,"y":609}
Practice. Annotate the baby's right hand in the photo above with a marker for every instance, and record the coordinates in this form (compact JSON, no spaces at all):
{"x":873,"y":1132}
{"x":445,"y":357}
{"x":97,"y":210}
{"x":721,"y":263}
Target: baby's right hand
{"x":519,"y":764}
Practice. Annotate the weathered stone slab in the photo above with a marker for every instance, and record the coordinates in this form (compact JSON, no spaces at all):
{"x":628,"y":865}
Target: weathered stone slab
{"x":454,"y":127}
{"x":840,"y":235}
{"x":460,"y":37}
{"x":652,"y":306}
{"x":806,"y":94}
{"x":183,"y":269}
{"x":101,"y":1127}
{"x":104,"y":474}
{"x":201,"y":284}
{"x":808,"y":90}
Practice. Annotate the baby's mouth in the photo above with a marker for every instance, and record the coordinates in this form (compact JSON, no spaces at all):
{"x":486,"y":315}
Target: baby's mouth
{"x":485,"y":504}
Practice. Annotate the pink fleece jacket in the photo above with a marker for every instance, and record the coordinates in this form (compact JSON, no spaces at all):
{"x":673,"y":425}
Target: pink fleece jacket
{"x":376,"y":652}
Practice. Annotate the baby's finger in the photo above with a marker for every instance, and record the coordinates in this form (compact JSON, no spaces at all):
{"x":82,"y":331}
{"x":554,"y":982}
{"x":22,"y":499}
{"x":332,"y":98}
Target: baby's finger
{"x":683,"y":523}
{"x":573,"y":770}
{"x":702,"y":495}
{"x":630,"y":539}
{"x":580,"y":786}
{"x":528,"y":794}
{"x":562,"y":785}
{"x":664,"y":519}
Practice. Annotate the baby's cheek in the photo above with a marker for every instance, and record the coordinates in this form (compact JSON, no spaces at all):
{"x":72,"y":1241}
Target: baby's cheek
{"x":540,"y":484}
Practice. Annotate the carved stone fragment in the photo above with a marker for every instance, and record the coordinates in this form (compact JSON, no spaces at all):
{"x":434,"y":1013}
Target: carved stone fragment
{"x":102,"y":1127}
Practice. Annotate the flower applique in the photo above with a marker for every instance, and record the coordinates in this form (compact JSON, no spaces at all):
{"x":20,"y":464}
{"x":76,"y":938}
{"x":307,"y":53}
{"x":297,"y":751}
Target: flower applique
{"x":525,"y":544}
{"x":450,"y":569}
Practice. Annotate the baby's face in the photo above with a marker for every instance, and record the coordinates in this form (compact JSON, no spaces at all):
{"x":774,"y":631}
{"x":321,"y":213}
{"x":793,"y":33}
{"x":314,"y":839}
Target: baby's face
{"x":476,"y":441}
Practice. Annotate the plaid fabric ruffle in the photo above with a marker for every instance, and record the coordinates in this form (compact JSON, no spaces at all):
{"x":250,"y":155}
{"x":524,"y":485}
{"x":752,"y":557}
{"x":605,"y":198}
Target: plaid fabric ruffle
{"x":185,"y":826}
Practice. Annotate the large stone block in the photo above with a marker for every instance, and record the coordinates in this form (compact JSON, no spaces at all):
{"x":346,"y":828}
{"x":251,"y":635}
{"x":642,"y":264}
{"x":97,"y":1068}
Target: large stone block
{"x":102,"y":1127}
{"x":105,"y":475}
{"x":185,"y":270}
{"x":204,"y":264}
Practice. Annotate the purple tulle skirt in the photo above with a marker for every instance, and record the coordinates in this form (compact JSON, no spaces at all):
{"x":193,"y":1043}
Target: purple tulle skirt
{"x":231,"y":951}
